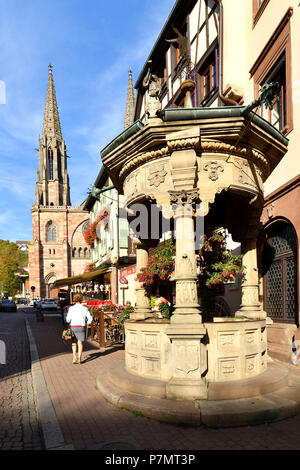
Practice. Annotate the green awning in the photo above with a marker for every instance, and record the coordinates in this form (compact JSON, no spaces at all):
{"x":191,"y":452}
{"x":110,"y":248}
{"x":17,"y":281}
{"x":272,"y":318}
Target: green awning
{"x":69,"y":281}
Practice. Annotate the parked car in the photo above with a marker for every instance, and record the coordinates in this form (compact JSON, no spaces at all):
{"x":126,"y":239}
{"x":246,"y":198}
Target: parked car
{"x":8,"y":306}
{"x":48,"y":304}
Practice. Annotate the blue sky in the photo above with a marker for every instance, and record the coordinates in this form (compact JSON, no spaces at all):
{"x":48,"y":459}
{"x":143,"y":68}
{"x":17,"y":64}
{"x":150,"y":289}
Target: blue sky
{"x":91,"y":45}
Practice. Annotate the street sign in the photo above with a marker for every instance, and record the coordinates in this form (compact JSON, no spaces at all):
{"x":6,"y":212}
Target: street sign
{"x":123,"y":280}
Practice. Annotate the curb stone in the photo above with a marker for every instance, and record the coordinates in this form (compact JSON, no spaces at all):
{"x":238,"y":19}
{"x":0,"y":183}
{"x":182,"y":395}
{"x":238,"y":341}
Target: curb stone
{"x":52,"y":434}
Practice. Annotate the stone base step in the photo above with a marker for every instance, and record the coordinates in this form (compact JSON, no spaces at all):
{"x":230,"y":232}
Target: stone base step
{"x":272,"y":379}
{"x":274,"y":406}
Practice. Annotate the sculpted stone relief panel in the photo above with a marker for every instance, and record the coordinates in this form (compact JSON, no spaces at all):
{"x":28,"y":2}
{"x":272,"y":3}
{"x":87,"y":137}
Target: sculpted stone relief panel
{"x":152,"y":180}
{"x":132,"y":362}
{"x":186,"y":355}
{"x":227,"y":340}
{"x":251,"y":364}
{"x":151,"y":341}
{"x":218,"y":172}
{"x":151,"y":366}
{"x":228,"y":368}
{"x":186,"y":293}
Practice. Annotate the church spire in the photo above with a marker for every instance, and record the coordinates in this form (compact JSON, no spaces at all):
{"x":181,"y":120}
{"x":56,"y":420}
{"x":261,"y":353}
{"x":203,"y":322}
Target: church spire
{"x":129,"y":115}
{"x":52,"y":186}
{"x":51,"y":127}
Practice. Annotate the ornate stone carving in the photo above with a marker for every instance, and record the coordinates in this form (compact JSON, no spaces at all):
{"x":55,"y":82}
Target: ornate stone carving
{"x":226,"y":339}
{"x":249,"y":295}
{"x":270,"y":210}
{"x":250,"y":364}
{"x":184,"y":196}
{"x":183,"y":144}
{"x":131,"y":185}
{"x":245,"y":152}
{"x":186,"y":356}
{"x":157,"y":175}
{"x":214,"y":168}
{"x":185,"y":266}
{"x":142,"y":158}
{"x":227,"y":367}
{"x":151,"y":341}
{"x":153,"y":104}
{"x":186,"y":293}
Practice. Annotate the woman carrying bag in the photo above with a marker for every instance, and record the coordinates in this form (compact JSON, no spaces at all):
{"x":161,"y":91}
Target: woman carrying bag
{"x":77,"y":316}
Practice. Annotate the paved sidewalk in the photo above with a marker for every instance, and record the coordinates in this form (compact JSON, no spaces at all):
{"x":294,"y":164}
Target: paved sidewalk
{"x":19,"y":428}
{"x":89,"y":422}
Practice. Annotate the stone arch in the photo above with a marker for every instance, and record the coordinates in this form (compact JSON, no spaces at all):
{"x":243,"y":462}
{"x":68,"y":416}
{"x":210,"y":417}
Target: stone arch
{"x":81,"y":226}
{"x":78,"y":243}
{"x":50,"y":278}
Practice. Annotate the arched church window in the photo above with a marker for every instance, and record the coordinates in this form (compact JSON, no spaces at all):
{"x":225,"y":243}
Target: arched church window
{"x":85,"y":252}
{"x":50,"y":232}
{"x":79,"y":252}
{"x":50,"y":163}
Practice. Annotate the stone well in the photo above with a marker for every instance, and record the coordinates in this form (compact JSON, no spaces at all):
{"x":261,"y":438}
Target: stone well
{"x":229,"y":351}
{"x":217,"y":158}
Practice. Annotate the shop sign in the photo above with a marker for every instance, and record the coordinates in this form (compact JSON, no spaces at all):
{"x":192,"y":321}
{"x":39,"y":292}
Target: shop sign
{"x":127,"y":272}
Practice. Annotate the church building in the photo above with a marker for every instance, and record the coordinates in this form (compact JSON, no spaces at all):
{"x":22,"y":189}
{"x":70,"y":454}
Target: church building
{"x":58,"y":248}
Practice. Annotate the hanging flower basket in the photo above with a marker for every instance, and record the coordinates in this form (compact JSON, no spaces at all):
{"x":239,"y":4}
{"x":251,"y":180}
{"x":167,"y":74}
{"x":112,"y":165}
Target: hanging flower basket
{"x":89,"y":268}
{"x":160,"y":266}
{"x":217,"y":265}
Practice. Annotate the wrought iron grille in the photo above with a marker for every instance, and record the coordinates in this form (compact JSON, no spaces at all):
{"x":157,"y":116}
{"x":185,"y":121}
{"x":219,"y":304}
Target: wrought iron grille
{"x":280,"y":283}
{"x":274,"y":291}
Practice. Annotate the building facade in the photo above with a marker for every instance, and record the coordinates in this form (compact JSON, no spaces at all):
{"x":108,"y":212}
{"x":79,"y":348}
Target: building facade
{"x":233,"y":49}
{"x":110,"y":246}
{"x":58,"y":248}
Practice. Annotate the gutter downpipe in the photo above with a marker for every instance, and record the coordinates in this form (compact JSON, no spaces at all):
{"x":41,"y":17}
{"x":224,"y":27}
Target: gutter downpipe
{"x":226,"y":101}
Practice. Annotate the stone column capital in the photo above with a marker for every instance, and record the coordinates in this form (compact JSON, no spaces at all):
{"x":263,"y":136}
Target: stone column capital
{"x":184,"y":196}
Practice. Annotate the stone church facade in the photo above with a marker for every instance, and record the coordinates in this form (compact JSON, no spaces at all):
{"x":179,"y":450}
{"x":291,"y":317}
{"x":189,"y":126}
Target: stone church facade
{"x":58,"y":248}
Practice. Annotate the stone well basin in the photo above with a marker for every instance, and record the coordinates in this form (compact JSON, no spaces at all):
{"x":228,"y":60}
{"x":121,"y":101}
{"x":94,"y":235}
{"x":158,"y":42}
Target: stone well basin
{"x":232,"y":350}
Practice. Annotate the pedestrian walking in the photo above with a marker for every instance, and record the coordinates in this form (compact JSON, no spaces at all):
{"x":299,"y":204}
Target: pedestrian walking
{"x":77,"y":316}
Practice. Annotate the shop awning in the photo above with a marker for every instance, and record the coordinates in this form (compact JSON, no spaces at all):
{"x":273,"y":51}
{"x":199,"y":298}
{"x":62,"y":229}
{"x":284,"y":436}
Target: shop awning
{"x":69,"y":281}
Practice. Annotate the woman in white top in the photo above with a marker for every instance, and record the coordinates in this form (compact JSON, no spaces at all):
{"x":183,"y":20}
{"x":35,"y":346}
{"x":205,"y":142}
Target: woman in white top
{"x":76,"y":316}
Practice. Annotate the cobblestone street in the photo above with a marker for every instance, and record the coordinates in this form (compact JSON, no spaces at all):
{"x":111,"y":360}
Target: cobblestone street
{"x":19,"y":428}
{"x":86,"y":420}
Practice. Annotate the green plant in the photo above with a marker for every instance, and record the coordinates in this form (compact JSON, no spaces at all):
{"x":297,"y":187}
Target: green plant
{"x":125,"y":314}
{"x":165,"y":309}
{"x":218,"y":265}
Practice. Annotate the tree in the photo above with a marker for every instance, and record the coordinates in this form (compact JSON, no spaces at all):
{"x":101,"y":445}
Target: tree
{"x":11,"y":260}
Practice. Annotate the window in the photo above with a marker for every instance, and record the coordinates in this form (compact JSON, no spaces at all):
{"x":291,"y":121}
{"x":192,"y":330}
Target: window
{"x":50,"y":232}
{"x":50,"y":163}
{"x":277,"y":116}
{"x":259,"y":7}
{"x":274,"y":64}
{"x":279,"y":262}
{"x":208,"y":79}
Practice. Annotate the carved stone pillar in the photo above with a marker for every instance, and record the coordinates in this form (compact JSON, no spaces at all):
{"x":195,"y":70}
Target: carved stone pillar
{"x":250,"y":307}
{"x":187,"y":308}
{"x":188,"y":362}
{"x":142,"y":308}
{"x":188,"y":354}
